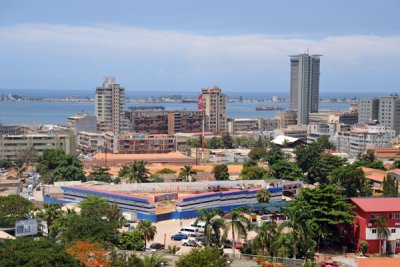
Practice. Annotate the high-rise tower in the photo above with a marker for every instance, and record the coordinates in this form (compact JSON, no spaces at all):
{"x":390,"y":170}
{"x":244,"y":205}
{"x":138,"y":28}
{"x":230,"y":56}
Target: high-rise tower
{"x":110,"y":102}
{"x":304,"y":85}
{"x":215,"y":109}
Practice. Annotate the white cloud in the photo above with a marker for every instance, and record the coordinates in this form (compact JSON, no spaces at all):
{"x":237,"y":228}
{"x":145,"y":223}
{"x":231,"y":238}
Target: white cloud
{"x":199,"y":54}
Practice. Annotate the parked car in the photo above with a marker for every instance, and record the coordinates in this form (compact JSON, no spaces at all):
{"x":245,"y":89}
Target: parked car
{"x":190,"y":242}
{"x":238,"y":245}
{"x":179,"y":236}
{"x":266,"y":218}
{"x":189,"y":230}
{"x":228,"y":244}
{"x":156,"y":246}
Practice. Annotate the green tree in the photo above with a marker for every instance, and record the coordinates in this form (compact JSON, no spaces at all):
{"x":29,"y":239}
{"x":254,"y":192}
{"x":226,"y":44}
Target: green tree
{"x":14,"y":208}
{"x":131,"y":240}
{"x":364,"y":247}
{"x":186,"y":173}
{"x":98,"y":208}
{"x":138,"y":173}
{"x":100,"y":173}
{"x":237,"y":223}
{"x":214,"y":143}
{"x":286,"y":170}
{"x":263,"y":196}
{"x":48,"y":162}
{"x":202,"y":257}
{"x":390,"y":186}
{"x":307,"y":156}
{"x":156,"y":178}
{"x":50,"y":213}
{"x":323,"y":209}
{"x":148,"y":230}
{"x":266,"y":235}
{"x":351,"y":180}
{"x":124,"y":171}
{"x":320,"y":171}
{"x":382,"y":230}
{"x":213,"y":225}
{"x":323,"y":141}
{"x":28,"y":252}
{"x":19,"y":167}
{"x":227,"y":141}
{"x":153,"y":260}
{"x":257,"y":153}
{"x":253,"y":173}
{"x":69,"y":169}
{"x":220,"y":172}
{"x":274,"y":154}
{"x":5,"y":163}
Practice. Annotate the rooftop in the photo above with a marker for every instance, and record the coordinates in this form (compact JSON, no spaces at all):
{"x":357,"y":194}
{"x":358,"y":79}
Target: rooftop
{"x":377,"y":204}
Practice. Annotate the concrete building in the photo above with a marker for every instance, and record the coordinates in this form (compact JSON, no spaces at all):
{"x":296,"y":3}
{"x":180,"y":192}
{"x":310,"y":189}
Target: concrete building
{"x":143,"y":144}
{"x":164,"y":122}
{"x":12,"y":146}
{"x":389,"y":112}
{"x":364,"y":137}
{"x":324,"y":116}
{"x":243,"y":125}
{"x":109,"y":105}
{"x":286,"y":118}
{"x":304,"y":85}
{"x":365,"y":226}
{"x":89,"y":141}
{"x":368,"y":110}
{"x":268,"y":124}
{"x":296,"y":131}
{"x":348,"y":118}
{"x":10,"y":129}
{"x":82,"y":122}
{"x":214,"y":103}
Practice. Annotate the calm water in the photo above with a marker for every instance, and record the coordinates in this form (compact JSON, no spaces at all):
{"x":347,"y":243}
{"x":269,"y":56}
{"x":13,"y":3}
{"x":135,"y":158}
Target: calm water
{"x":58,"y":112}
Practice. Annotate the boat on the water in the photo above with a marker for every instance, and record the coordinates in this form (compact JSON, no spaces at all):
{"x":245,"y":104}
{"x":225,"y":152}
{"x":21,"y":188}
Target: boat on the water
{"x":269,"y":108}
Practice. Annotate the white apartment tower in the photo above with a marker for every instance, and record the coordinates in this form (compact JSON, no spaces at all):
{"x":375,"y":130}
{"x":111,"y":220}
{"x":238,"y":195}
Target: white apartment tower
{"x":110,"y":102}
{"x":304,"y":85}
{"x":389,"y":112}
{"x":214,"y":102}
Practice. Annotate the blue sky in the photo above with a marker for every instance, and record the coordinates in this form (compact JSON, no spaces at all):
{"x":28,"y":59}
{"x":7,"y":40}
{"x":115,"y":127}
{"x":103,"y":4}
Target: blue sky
{"x":186,"y":45}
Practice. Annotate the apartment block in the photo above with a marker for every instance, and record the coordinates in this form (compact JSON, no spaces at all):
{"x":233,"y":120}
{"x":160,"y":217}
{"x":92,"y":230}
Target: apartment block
{"x":13,"y":146}
{"x":145,"y":144}
{"x":82,"y":122}
{"x":242,"y":125}
{"x":363,"y":137}
{"x":389,"y":112}
{"x":368,"y":110}
{"x":286,"y":118}
{"x":164,"y":122}
{"x":214,"y":102}
{"x":89,"y":141}
{"x":268,"y":124}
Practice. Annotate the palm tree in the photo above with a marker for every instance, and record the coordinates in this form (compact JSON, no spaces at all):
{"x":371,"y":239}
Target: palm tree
{"x":263,"y":196}
{"x":148,"y":230}
{"x":237,"y":223}
{"x":50,"y":212}
{"x":187,"y":172}
{"x":138,"y":172}
{"x":213,"y":224}
{"x":153,"y":260}
{"x":382,"y":230}
{"x":266,"y":236}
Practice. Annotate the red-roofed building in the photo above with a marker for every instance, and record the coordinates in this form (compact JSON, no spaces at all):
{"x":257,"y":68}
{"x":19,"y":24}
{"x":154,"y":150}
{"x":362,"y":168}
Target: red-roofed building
{"x":365,"y":227}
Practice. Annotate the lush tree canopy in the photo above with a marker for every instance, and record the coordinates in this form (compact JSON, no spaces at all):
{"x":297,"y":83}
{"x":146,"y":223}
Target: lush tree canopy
{"x":286,"y":170}
{"x":390,"y":186}
{"x":202,"y":257}
{"x":320,"y":171}
{"x":257,"y":153}
{"x":351,"y":180}
{"x":323,"y":208}
{"x":101,"y":174}
{"x":131,"y":240}
{"x":274,"y":154}
{"x":27,"y":252}
{"x":221,"y":172}
{"x":307,"y":156}
{"x":14,"y":208}
{"x":253,"y":172}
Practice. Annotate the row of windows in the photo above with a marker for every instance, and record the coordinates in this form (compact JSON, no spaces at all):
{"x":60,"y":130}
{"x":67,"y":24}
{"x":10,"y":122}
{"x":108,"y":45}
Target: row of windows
{"x":392,"y":216}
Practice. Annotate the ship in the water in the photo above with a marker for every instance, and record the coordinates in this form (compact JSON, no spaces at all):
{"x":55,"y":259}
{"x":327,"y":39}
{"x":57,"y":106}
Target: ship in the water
{"x":260,"y":108}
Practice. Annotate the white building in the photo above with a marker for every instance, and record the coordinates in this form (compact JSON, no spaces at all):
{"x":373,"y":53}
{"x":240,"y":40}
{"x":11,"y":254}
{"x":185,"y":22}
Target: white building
{"x":389,"y":112}
{"x":214,"y":102}
{"x":363,"y":137}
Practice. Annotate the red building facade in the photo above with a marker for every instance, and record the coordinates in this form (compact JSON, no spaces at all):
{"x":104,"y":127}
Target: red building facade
{"x":365,"y":223}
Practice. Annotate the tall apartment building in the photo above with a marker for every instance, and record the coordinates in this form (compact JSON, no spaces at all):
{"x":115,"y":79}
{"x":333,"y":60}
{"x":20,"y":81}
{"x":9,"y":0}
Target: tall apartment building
{"x":110,"y":103}
{"x":214,"y":102}
{"x":304,"y":85}
{"x":389,"y":112}
{"x":368,"y":110}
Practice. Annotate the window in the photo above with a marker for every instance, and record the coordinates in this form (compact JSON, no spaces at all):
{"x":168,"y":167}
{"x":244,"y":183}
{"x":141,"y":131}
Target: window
{"x":397,"y":243}
{"x":373,"y":231}
{"x":394,"y":215}
{"x":392,"y":231}
{"x":374,"y":216}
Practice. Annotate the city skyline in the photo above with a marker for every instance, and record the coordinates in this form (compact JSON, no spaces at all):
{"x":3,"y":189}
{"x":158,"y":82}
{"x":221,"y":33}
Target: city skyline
{"x":156,"y":46}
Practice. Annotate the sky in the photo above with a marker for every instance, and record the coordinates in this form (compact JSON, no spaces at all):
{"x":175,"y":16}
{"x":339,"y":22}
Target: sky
{"x":181,"y":45}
